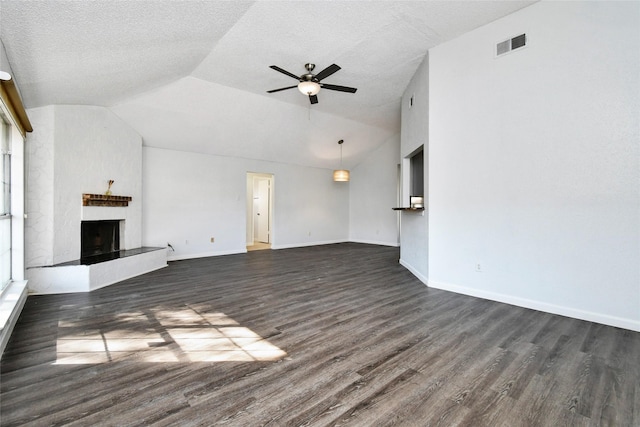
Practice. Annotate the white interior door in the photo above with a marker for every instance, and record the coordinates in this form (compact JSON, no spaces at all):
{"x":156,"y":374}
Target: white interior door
{"x":261,"y":201}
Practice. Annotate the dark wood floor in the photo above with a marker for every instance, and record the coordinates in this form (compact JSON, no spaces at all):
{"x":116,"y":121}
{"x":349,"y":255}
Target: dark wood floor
{"x":329,"y":335}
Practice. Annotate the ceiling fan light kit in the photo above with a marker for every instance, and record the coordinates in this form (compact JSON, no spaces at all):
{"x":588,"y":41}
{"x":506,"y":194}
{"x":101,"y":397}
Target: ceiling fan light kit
{"x":309,"y":88}
{"x":310,"y":83}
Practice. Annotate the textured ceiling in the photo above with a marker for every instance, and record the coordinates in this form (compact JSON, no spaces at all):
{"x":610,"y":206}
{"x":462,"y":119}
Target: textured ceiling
{"x":127,"y":54}
{"x":102,"y":52}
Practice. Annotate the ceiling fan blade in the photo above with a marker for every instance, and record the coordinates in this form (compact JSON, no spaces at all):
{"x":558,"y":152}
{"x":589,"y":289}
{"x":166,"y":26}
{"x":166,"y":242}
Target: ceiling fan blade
{"x":339,"y":88}
{"x":313,"y":99}
{"x":282,"y":88}
{"x":327,"y":72}
{"x":275,"y":67}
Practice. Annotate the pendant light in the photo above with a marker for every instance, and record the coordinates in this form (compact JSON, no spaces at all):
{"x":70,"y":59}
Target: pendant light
{"x":341,"y":175}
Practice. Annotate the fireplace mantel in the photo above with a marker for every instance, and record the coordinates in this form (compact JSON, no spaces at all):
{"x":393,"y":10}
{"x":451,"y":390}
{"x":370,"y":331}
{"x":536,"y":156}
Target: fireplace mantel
{"x":105,"y":200}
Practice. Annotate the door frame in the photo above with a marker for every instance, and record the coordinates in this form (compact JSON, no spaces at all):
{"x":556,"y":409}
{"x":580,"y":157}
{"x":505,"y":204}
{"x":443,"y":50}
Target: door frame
{"x":249,"y":208}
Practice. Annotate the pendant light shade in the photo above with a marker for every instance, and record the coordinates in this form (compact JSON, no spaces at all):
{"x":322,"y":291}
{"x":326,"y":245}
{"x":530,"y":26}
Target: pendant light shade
{"x":341,"y":175}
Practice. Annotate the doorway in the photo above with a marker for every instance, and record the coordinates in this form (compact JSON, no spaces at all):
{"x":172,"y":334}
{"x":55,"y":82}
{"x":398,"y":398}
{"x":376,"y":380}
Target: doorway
{"x":259,"y":211}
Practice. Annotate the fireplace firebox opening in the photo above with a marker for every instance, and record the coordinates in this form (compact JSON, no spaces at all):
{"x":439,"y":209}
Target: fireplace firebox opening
{"x":99,"y":237}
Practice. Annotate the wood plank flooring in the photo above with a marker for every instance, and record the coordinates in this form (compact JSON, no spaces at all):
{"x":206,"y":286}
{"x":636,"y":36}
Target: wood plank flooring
{"x":329,"y":335}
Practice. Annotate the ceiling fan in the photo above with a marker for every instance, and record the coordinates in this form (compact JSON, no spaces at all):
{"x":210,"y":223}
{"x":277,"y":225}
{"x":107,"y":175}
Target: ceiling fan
{"x":310,"y":83}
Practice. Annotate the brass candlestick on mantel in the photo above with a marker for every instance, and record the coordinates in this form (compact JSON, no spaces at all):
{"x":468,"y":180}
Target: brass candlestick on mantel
{"x":108,"y":192}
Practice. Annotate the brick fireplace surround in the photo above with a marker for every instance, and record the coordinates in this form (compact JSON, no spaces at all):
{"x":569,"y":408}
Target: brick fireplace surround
{"x":87,"y":274}
{"x":75,"y":154}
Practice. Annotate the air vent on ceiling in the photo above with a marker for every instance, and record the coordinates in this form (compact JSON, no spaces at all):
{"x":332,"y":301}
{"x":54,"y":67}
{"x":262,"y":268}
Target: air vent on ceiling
{"x":511,"y":44}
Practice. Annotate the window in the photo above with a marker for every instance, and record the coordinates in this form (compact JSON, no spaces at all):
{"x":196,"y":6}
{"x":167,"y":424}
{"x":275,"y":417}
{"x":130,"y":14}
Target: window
{"x":14,"y":124}
{"x":5,"y":205}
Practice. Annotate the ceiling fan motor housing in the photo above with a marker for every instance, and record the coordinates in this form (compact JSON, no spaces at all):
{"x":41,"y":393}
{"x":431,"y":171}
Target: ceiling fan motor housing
{"x":309,"y":77}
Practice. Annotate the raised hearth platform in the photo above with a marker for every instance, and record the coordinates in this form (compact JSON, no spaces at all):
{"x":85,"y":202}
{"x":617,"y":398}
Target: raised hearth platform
{"x":95,"y":272}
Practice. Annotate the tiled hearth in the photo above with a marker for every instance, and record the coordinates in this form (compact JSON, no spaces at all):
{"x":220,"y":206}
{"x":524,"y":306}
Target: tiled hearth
{"x":73,"y":276}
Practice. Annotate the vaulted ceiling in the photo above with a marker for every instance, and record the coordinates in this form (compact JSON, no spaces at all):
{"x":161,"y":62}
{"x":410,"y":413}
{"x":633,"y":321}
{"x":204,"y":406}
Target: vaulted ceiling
{"x":193,"y":75}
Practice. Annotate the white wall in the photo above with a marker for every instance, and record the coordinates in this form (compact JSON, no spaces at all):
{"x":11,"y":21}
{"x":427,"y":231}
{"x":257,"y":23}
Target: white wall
{"x":414,"y":226}
{"x":39,"y":223}
{"x":203,"y":117}
{"x":190,"y":197}
{"x":534,"y":170}
{"x":373,"y":192}
{"x":75,"y":150}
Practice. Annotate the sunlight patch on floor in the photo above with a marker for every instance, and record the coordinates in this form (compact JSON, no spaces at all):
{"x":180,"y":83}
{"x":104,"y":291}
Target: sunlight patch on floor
{"x":162,"y":335}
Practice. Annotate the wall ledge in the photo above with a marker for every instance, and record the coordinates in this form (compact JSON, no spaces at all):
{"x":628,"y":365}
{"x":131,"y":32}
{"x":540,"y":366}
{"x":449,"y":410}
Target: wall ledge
{"x":61,"y":279}
{"x":11,"y":303}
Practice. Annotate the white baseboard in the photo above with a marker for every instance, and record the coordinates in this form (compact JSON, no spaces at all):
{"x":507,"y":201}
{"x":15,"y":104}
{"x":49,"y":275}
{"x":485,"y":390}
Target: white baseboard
{"x":375,"y":242}
{"x":274,"y":246}
{"x":590,"y":316}
{"x":177,"y":257}
{"x":180,"y":257}
{"x":305,"y":244}
{"x":414,"y":271}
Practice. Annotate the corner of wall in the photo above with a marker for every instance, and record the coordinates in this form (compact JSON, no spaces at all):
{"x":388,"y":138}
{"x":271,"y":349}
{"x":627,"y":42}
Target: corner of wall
{"x":414,"y":229}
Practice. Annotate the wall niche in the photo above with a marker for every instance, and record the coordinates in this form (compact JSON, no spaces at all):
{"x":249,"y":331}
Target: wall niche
{"x":416,"y":167}
{"x":413,"y":181}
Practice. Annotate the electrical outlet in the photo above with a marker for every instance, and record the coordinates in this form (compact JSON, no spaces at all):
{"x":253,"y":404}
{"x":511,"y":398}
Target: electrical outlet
{"x":213,"y":239}
{"x":478,"y":268}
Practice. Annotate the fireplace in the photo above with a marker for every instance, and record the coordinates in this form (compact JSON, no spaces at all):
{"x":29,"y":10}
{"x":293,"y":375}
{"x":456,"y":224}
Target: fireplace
{"x":99,"y":238}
